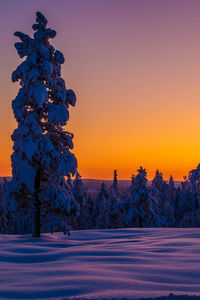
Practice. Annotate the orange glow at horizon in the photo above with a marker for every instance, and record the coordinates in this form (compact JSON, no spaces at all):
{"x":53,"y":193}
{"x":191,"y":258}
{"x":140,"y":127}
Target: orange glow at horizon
{"x":136,"y":76}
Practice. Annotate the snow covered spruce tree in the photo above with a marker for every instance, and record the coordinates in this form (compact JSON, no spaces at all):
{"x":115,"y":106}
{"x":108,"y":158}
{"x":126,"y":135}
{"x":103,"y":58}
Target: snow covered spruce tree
{"x":101,"y":208}
{"x":115,"y":182}
{"x":160,"y":192}
{"x":142,"y":211}
{"x":42,"y":156}
{"x":3,"y":222}
{"x":81,"y":198}
{"x":194,"y":178}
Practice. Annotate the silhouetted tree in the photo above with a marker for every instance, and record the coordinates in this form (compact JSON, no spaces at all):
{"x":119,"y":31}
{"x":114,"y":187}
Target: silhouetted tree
{"x":42,"y":156}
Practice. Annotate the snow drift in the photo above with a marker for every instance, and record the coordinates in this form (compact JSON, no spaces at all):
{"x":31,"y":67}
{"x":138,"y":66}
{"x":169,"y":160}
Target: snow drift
{"x":101,"y":264}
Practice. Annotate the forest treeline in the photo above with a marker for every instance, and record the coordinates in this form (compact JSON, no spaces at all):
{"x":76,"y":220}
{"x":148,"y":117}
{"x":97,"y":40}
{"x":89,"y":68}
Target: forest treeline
{"x":143,"y":204}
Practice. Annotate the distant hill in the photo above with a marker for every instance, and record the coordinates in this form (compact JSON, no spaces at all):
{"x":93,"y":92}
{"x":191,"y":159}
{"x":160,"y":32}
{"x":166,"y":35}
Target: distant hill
{"x":96,"y":183}
{"x":123,"y":184}
{"x":93,"y":185}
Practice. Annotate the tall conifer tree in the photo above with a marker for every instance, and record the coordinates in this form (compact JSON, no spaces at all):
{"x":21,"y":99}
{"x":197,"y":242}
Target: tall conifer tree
{"x":42,"y":148}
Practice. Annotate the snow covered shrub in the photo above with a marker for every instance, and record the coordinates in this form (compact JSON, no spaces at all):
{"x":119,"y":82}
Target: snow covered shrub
{"x":42,"y":148}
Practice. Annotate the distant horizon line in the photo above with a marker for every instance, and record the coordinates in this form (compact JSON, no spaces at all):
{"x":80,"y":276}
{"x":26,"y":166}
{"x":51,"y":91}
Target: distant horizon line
{"x":94,"y":179}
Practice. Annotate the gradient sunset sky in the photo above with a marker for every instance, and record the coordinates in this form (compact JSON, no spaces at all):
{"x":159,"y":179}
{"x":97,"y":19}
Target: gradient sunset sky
{"x":135,"y":67}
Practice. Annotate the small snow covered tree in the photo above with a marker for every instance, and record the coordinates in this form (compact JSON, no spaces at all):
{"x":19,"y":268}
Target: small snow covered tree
{"x":81,"y":198}
{"x":194,"y":175}
{"x":194,"y":178}
{"x":101,"y":208}
{"x":115,"y":182}
{"x":172,"y":196}
{"x":127,"y":201}
{"x":107,"y":206}
{"x":167,"y":211}
{"x":42,"y":148}
{"x":113,"y":212}
{"x":2,"y":189}
{"x":156,"y":187}
{"x":179,"y":207}
{"x":188,"y":192}
{"x":157,"y":182}
{"x":160,"y":191}
{"x":89,"y":210}
{"x":142,"y":206}
{"x":172,"y":189}
{"x":3,"y":225}
{"x":132,"y":183}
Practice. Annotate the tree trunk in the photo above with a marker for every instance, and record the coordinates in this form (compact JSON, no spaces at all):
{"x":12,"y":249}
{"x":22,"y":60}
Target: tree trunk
{"x":36,"y":207}
{"x":141,"y":222}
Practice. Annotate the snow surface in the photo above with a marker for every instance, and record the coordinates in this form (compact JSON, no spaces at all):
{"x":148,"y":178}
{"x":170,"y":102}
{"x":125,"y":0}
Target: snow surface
{"x":101,"y":264}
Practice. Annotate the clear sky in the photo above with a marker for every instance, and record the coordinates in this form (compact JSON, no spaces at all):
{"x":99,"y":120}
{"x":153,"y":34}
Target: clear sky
{"x":135,"y":67}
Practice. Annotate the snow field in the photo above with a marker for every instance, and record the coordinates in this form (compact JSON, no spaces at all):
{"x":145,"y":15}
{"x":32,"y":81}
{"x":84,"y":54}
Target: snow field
{"x":101,"y":264}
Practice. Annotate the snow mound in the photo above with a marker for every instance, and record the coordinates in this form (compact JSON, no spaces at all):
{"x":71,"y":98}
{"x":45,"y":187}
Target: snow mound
{"x":102,"y":264}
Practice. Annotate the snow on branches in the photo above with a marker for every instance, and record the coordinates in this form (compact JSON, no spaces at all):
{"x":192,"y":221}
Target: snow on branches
{"x":42,"y":148}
